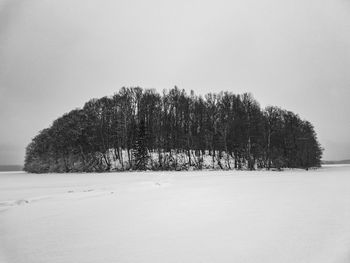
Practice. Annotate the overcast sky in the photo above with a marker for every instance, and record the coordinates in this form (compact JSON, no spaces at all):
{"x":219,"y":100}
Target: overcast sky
{"x":56,"y":55}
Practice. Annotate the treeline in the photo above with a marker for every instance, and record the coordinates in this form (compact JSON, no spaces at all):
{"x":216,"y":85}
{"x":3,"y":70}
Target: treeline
{"x":140,"y":129}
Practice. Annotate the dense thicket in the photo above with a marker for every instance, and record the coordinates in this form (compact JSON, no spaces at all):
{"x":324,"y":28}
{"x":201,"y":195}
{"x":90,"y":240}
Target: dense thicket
{"x":141,"y":129}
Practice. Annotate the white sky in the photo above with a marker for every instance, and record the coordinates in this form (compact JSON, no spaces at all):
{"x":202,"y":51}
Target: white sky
{"x":56,"y":55}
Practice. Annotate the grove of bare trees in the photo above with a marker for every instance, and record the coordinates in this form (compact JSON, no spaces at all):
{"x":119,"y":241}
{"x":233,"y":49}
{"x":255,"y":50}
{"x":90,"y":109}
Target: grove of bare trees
{"x":140,"y":129}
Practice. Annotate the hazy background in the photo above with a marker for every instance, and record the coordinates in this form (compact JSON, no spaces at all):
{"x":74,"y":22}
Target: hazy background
{"x":56,"y":55}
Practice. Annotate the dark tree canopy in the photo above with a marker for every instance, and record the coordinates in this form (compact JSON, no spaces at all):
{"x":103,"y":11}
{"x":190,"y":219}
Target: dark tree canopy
{"x":140,"y":129}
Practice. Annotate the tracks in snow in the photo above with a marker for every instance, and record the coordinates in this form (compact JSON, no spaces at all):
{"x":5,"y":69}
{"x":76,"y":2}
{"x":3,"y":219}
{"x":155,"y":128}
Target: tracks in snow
{"x":70,"y":194}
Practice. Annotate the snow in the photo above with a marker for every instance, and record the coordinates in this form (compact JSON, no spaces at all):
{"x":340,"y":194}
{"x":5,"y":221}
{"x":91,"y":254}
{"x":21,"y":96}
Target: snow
{"x":181,"y":159}
{"x":200,"y":216}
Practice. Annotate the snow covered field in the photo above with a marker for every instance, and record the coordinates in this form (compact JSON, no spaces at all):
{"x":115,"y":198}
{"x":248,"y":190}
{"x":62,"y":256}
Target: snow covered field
{"x":207,"y":216}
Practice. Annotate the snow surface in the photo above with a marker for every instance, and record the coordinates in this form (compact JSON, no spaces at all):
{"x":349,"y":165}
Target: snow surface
{"x":204,"y":216}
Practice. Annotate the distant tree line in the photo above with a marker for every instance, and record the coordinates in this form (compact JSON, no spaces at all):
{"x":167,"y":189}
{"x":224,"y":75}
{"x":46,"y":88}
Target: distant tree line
{"x":140,"y":129}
